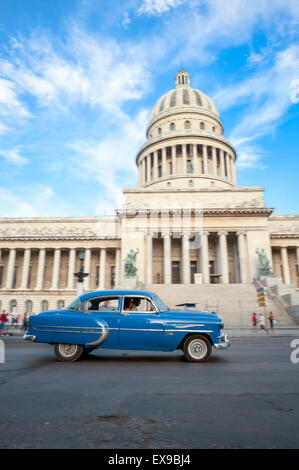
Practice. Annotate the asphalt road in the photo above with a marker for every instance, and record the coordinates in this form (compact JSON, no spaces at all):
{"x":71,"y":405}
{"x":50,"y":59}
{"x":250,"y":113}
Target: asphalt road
{"x":245,"y":397}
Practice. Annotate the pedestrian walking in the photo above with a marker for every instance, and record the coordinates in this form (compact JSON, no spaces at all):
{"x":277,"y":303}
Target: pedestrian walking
{"x":3,"y":320}
{"x":271,"y":320}
{"x":25,"y":321}
{"x":254,"y":320}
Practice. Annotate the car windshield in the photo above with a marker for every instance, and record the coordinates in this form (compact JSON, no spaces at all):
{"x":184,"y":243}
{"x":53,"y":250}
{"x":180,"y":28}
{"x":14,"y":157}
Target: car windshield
{"x":75,"y":305}
{"x":161,"y":306}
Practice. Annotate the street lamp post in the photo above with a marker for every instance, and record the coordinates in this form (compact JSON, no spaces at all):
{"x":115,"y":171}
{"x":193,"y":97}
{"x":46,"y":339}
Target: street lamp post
{"x":81,"y":274}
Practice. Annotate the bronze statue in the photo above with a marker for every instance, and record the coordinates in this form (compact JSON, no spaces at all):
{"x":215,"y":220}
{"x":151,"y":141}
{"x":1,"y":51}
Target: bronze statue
{"x":130,"y":268}
{"x":264,"y":265}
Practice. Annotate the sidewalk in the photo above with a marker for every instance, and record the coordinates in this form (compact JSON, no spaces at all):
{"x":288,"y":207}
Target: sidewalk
{"x":232,"y":332}
{"x":249,"y":332}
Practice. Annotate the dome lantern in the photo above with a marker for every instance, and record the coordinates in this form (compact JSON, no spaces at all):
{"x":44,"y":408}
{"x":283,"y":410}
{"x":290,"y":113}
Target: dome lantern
{"x":182,"y":78}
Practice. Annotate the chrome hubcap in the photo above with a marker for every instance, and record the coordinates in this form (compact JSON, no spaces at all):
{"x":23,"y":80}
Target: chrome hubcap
{"x":67,"y":350}
{"x":197,"y":349}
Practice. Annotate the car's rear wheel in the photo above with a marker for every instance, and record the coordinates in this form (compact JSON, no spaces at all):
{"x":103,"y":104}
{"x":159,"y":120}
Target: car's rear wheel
{"x":197,"y":348}
{"x":68,"y":352}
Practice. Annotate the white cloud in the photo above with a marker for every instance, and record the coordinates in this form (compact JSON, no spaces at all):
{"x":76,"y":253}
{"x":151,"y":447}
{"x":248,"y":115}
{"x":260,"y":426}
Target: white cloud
{"x":109,"y":163}
{"x":13,"y":156}
{"x":85,"y":70}
{"x":3,"y":128}
{"x":35,"y":200}
{"x":250,"y":156}
{"x":266,"y":97}
{"x":156,"y":7}
{"x":213,"y":25}
{"x":9,"y":103}
{"x":126,"y":20}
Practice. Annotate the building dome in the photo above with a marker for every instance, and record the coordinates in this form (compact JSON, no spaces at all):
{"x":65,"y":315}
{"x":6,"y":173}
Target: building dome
{"x":185,"y":146}
{"x":183,"y":98}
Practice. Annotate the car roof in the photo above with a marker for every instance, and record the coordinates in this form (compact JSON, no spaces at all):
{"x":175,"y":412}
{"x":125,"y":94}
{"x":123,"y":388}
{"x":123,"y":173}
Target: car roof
{"x":104,"y":293}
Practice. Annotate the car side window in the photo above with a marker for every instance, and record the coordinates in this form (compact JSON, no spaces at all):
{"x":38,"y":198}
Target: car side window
{"x":138,"y":304}
{"x":103,"y":304}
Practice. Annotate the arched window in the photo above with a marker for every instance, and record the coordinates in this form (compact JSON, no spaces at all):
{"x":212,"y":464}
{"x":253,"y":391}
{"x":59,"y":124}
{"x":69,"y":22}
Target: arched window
{"x":159,"y":131}
{"x":172,"y":99}
{"x":198,"y":98}
{"x":209,"y":104}
{"x":28,"y":306}
{"x":44,"y":306}
{"x":186,"y":97}
{"x":172,"y":126}
{"x":202,"y":126}
{"x":60,"y":304}
{"x":13,"y":306}
{"x":214,"y":129}
{"x":187,"y":125}
{"x":162,"y":104}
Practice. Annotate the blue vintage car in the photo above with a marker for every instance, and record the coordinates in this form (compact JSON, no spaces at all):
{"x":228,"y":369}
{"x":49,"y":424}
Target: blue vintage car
{"x":126,"y":320}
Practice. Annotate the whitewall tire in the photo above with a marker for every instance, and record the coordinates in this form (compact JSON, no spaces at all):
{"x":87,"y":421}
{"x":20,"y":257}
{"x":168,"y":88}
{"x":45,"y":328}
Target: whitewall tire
{"x":197,"y":348}
{"x":68,"y":352}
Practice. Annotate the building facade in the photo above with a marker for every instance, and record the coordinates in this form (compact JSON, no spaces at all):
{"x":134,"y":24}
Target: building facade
{"x":188,"y":221}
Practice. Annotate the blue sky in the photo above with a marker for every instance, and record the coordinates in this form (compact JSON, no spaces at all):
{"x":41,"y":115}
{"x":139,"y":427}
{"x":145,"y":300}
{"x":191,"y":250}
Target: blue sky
{"x":79,"y":78}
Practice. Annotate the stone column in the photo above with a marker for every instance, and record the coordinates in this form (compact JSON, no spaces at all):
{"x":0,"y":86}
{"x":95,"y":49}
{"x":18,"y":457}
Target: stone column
{"x":195,"y":159}
{"x":25,"y":270}
{"x":184,"y":160}
{"x":173,"y":159}
{"x":10,"y":268}
{"x":148,"y":163}
{"x":164,"y":165}
{"x":117,"y":267}
{"x":214,"y":159}
{"x":167,"y":257}
{"x":149,"y":259}
{"x":285,"y":265}
{"x":205,"y":159}
{"x":186,"y":258}
{"x":40,"y":269}
{"x":227,"y":158}
{"x":222,"y":169}
{"x":56,"y":266}
{"x":204,"y":258}
{"x":71,"y":268}
{"x":297,"y":254}
{"x":155,"y":168}
{"x":139,"y":173}
{"x":102,"y":282}
{"x":233,"y":170}
{"x":143,"y":171}
{"x":87,"y":262}
{"x":242,"y":257}
{"x":223,"y":257}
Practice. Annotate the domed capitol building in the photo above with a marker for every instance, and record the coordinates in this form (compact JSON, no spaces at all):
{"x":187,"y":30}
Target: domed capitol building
{"x":195,"y":234}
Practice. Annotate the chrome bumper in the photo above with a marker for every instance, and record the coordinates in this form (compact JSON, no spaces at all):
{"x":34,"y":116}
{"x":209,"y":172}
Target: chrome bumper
{"x":224,"y":342}
{"x":29,"y":337}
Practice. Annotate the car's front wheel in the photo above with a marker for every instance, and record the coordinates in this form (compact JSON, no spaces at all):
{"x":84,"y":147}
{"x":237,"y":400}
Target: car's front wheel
{"x":197,"y":348}
{"x":68,"y":352}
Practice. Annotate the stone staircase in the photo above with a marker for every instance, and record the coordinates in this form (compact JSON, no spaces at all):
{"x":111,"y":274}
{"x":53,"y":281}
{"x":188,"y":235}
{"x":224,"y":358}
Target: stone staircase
{"x":234,"y":303}
{"x":286,"y":296}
